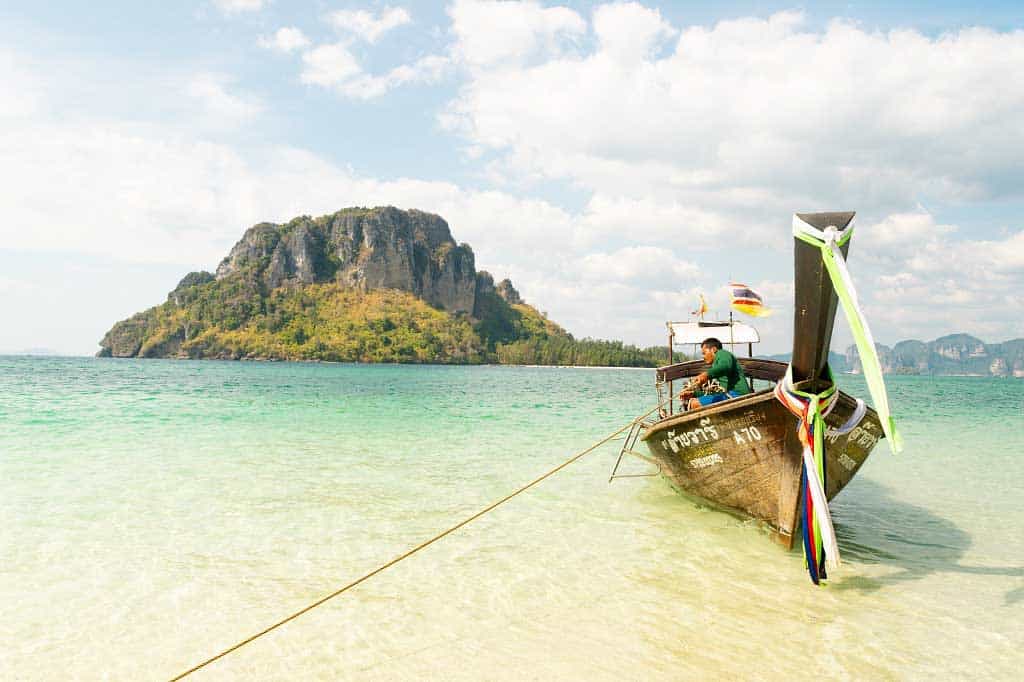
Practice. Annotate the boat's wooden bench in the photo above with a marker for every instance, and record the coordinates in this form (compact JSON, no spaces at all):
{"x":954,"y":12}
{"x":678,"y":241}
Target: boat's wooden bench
{"x":754,"y":368}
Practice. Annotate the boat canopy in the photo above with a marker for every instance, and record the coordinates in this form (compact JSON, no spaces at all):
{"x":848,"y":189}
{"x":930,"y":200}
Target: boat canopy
{"x":725,"y":331}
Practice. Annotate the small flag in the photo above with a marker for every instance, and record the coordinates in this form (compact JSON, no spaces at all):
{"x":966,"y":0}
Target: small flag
{"x":746,"y":300}
{"x":701,"y":309}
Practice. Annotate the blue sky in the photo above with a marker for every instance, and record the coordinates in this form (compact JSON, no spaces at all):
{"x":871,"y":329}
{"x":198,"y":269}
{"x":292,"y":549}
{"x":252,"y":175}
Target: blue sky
{"x":614,"y":159}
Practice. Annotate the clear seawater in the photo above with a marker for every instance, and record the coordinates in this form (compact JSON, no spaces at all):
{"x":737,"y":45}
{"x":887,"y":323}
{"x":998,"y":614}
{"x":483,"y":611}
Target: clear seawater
{"x":156,"y":512}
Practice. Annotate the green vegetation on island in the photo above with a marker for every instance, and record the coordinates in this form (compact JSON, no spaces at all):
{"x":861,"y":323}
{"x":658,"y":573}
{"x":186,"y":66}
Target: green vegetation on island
{"x":565,"y":350}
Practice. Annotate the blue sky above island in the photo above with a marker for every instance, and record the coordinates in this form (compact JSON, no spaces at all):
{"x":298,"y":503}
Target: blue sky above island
{"x":614,"y":160}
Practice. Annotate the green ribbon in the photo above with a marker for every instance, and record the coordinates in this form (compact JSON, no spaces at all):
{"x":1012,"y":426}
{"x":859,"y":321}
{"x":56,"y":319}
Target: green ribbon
{"x":835,"y":264}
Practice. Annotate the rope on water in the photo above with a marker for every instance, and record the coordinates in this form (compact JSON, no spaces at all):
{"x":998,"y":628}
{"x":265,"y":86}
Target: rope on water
{"x":415,"y":549}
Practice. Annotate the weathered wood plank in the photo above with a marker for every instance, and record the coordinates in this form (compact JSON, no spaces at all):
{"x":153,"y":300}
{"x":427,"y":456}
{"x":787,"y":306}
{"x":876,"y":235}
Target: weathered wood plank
{"x":743,"y":455}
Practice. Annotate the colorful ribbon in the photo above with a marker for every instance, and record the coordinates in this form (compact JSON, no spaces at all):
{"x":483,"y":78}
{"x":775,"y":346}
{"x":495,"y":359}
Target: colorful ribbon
{"x":820,"y":545}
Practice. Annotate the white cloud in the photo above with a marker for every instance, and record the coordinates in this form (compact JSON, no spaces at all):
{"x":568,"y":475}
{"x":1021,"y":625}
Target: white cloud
{"x":647,"y":218}
{"x":210,"y":90}
{"x":239,"y":6}
{"x":1008,"y":254}
{"x":55,"y":172}
{"x":758,"y":108}
{"x":718,"y":137}
{"x":285,"y":39}
{"x":655,"y":266}
{"x":367,"y":26}
{"x":629,"y":32}
{"x":492,"y":32}
{"x":924,"y":276}
{"x":336,"y":67}
{"x":429,"y":69}
{"x":904,"y":231}
{"x":333,"y":66}
{"x":906,"y":243}
{"x":161,"y":198}
{"x":329,"y":65}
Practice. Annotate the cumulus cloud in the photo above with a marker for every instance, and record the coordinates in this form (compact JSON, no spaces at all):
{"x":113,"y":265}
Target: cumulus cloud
{"x":762,"y":107}
{"x":55,"y":172}
{"x":1008,"y":254}
{"x":707,"y":135}
{"x":629,"y":32}
{"x":912,"y":245}
{"x":367,"y":26}
{"x":285,"y":39}
{"x":329,"y":65}
{"x":926,"y":276}
{"x":239,"y":6}
{"x":429,"y":69}
{"x":335,"y":67}
{"x":493,"y":32}
{"x":902,"y":232}
{"x":666,"y":222}
{"x":639,"y":264}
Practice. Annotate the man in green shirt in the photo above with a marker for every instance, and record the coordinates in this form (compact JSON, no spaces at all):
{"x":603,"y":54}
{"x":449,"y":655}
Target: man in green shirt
{"x":724,"y":368}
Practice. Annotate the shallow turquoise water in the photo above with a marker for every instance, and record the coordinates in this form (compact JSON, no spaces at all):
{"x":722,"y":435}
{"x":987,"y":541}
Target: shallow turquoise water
{"x":156,"y":512}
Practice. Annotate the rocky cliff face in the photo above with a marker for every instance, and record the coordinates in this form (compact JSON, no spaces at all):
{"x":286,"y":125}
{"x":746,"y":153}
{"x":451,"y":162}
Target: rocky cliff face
{"x":508,"y":292}
{"x":485,"y":289}
{"x":381,"y":248}
{"x":371,"y":285}
{"x":959,"y":354}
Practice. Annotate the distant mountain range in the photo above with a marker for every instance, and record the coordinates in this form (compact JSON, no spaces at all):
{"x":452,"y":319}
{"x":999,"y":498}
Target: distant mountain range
{"x":952,"y":355}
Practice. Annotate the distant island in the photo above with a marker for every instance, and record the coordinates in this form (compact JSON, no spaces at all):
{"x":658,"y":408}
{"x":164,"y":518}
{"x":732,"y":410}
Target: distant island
{"x":951,"y":355}
{"x":359,"y":285}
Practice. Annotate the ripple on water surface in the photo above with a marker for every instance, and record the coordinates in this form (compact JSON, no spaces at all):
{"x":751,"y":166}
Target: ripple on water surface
{"x":156,"y":512}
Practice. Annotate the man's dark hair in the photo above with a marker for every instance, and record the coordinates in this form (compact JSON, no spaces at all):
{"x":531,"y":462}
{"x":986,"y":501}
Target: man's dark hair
{"x":711,"y":342}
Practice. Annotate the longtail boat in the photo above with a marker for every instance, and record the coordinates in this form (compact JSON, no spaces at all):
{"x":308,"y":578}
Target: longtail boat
{"x":745,"y":455}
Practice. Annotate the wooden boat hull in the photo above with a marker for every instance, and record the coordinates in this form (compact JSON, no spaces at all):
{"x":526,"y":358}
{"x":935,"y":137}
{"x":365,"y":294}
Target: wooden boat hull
{"x":743,"y":456}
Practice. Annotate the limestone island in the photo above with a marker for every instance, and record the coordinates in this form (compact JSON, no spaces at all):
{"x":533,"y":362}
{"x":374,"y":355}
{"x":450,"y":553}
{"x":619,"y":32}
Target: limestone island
{"x":360,"y":285}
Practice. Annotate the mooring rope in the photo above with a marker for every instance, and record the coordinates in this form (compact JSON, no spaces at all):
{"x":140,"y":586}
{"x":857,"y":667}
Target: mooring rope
{"x":415,"y":549}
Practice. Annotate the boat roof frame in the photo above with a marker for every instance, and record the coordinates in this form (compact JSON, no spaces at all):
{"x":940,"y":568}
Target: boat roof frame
{"x":705,"y":329}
